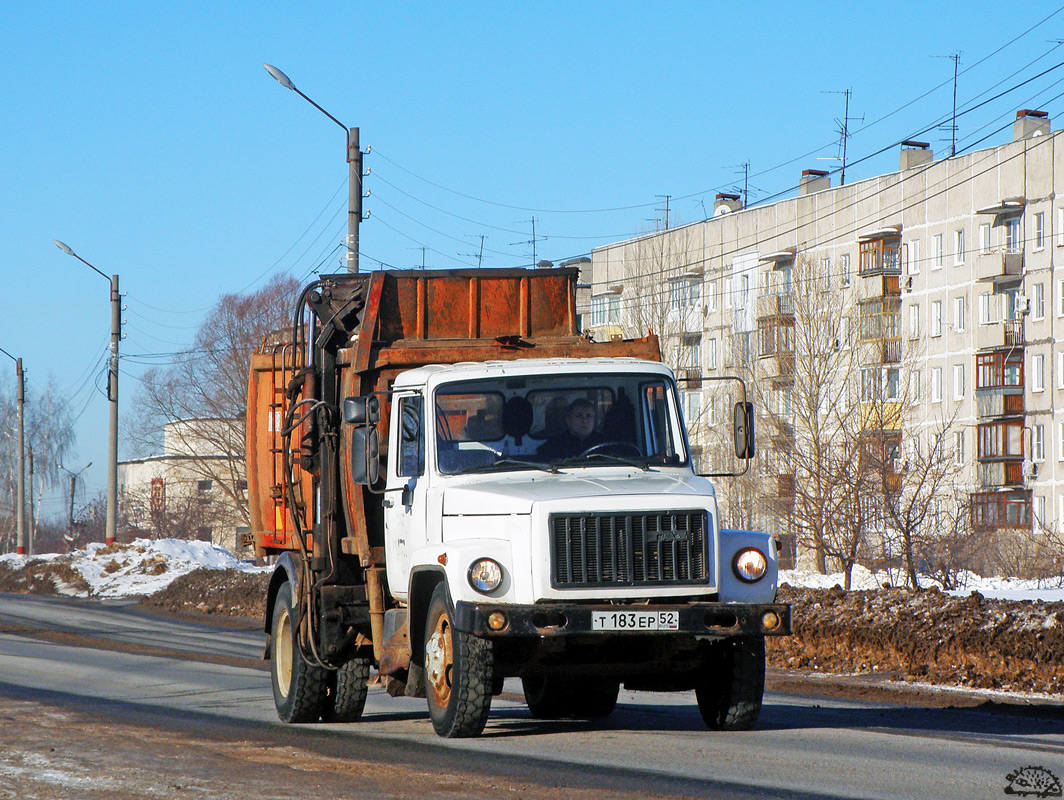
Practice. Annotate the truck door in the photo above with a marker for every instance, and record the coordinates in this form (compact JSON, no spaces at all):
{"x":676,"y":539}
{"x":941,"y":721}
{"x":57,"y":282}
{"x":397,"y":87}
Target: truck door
{"x":404,"y":493}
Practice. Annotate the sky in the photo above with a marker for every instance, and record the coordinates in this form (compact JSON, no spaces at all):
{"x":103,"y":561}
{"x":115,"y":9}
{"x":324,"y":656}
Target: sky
{"x":149,"y":138}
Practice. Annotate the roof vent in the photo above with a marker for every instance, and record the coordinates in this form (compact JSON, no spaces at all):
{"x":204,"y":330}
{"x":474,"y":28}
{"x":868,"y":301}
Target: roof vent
{"x":726,"y":203}
{"x":914,"y":153}
{"x":813,"y":180}
{"x":1030,"y":123}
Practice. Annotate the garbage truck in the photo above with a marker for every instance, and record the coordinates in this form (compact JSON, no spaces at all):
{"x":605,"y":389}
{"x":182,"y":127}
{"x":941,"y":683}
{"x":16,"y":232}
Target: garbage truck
{"x":457,"y":487}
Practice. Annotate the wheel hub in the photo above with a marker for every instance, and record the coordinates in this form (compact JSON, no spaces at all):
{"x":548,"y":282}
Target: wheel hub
{"x":439,"y":658}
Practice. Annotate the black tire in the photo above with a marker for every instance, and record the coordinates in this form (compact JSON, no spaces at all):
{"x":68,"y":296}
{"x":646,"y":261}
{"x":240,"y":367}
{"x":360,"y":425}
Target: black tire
{"x":558,"y":697}
{"x":458,"y":673}
{"x":346,"y":693}
{"x":298,"y":686}
{"x":732,"y":684}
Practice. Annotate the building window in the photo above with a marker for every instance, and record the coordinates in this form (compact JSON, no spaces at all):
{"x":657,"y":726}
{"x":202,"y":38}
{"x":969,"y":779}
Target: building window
{"x":999,"y":370}
{"x":1038,"y":443}
{"x":958,"y":314}
{"x":1013,"y":243}
{"x":880,"y":256}
{"x":1000,"y":440}
{"x":914,"y":257}
{"x":958,"y":247}
{"x":985,"y":317}
{"x":711,"y":295}
{"x":204,"y":486}
{"x":1060,"y":373}
{"x":1038,"y":307}
{"x":692,"y":406}
{"x":958,"y":448}
{"x":1039,"y":230}
{"x":691,"y":352}
{"x":958,"y":381}
{"x":984,"y":238}
{"x":203,"y":533}
{"x":844,"y":269}
{"x":711,"y":354}
{"x":1040,"y":513}
{"x":1038,"y":374}
{"x":915,"y":387}
{"x":936,"y":318}
{"x":1060,"y":227}
{"x":937,"y":251}
{"x":1060,"y":449}
{"x":728,"y":293}
{"x":685,"y":292}
{"x":914,"y":321}
{"x":936,"y":384}
{"x":606,"y":309}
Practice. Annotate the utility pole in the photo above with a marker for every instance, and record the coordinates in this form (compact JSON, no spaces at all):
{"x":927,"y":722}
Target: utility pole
{"x":20,"y":542}
{"x":73,"y":488}
{"x":32,"y":535}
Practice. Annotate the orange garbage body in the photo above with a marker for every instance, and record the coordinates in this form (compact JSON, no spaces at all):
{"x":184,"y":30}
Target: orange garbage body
{"x":405,"y":319}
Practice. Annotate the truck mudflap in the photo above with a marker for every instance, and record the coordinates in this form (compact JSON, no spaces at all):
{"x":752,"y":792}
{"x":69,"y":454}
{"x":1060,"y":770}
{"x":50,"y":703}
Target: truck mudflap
{"x":721,"y":620}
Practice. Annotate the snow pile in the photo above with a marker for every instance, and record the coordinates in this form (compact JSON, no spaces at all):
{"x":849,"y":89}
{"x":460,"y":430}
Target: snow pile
{"x":998,"y":588}
{"x":124,"y":570}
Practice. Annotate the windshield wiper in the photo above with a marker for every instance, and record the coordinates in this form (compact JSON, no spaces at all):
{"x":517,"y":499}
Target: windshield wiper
{"x":508,"y":463}
{"x":642,"y":464}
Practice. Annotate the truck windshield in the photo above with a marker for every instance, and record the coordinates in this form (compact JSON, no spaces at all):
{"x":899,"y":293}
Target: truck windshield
{"x":550,"y":421}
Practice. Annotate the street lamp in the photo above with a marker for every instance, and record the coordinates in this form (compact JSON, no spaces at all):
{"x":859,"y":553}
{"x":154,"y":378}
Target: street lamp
{"x":20,"y":545}
{"x":354,"y":165}
{"x":111,"y":528}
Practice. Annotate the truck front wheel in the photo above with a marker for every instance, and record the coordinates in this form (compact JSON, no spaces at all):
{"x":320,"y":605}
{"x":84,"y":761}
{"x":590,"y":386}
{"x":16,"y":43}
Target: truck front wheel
{"x":559,"y":697}
{"x":732,"y":684}
{"x":298,"y":686}
{"x":458,"y":673}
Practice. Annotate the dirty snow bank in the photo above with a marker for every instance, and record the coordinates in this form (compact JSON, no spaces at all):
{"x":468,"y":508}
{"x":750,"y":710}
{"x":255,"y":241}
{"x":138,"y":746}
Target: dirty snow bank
{"x":144,"y":567}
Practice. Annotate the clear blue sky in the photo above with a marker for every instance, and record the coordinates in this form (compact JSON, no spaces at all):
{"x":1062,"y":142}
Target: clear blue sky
{"x":150,"y":139}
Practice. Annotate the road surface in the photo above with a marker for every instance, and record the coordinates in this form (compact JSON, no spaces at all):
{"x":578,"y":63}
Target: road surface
{"x":99,"y":700}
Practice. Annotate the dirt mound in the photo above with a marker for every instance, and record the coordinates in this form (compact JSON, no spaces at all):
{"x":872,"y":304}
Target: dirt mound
{"x":926,"y":636}
{"x":214,"y":591}
{"x":41,"y":577}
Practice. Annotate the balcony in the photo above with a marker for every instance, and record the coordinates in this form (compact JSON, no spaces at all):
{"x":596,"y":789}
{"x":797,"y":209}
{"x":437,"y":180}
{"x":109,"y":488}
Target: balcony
{"x":780,"y":304}
{"x":1003,"y":268}
{"x":997,"y":474}
{"x":1001,"y":510}
{"x":995,"y":403}
{"x":778,"y":367}
{"x":880,"y":257}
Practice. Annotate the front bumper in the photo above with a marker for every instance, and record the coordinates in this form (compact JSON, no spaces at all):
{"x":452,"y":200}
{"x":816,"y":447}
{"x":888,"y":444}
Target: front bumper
{"x":719,"y":620}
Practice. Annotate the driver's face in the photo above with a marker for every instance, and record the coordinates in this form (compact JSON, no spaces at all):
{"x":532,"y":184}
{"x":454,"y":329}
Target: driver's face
{"x":581,"y":422}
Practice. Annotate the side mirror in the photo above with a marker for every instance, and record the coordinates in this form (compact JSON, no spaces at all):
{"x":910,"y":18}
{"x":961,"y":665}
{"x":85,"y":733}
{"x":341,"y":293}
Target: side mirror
{"x":364,"y":413}
{"x":362,"y":410}
{"x":743,"y":430}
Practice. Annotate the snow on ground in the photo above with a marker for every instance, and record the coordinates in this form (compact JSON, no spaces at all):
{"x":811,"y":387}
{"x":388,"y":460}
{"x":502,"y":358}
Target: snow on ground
{"x":1049,"y":591}
{"x":144,"y":567}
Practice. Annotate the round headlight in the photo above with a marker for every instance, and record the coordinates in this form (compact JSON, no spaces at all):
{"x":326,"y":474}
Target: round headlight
{"x":750,"y":565}
{"x":485,"y":575}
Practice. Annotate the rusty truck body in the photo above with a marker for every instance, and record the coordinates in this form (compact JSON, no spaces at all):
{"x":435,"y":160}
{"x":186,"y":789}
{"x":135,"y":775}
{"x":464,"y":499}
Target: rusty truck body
{"x":408,"y":472}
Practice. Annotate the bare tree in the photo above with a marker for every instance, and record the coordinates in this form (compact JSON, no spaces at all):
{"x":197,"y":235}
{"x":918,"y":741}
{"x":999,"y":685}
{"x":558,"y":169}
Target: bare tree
{"x":49,"y":434}
{"x":208,"y":385}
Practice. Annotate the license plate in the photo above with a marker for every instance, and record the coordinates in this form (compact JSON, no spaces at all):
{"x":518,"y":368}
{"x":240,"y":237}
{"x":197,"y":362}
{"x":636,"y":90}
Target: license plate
{"x":635,"y":620}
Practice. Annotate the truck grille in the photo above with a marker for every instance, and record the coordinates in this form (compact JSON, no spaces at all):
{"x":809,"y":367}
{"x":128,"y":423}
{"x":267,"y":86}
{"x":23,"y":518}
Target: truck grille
{"x":665,"y":548}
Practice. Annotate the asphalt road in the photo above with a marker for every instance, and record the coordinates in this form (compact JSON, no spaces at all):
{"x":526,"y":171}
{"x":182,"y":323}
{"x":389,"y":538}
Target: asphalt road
{"x":98,"y":662}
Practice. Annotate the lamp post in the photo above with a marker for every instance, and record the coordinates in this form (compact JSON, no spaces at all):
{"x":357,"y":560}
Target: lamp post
{"x":111,"y":528}
{"x":354,"y":166}
{"x":20,"y":545}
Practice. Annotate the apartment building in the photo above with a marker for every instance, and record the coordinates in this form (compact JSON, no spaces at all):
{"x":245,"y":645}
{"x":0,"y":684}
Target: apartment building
{"x":952,"y":273}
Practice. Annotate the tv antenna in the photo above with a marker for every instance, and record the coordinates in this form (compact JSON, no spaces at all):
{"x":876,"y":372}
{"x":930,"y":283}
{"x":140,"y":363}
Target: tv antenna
{"x":843,"y":127}
{"x":956,"y":58}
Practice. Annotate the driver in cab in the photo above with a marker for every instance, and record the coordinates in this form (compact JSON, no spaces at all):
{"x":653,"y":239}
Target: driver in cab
{"x":578,"y":436}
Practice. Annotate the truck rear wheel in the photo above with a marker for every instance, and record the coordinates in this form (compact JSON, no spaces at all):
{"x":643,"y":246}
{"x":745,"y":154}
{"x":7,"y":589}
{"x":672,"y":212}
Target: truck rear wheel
{"x":458,"y":673}
{"x":559,"y":697}
{"x":732,"y":684}
{"x":298,"y":685}
{"x":346,"y":691}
